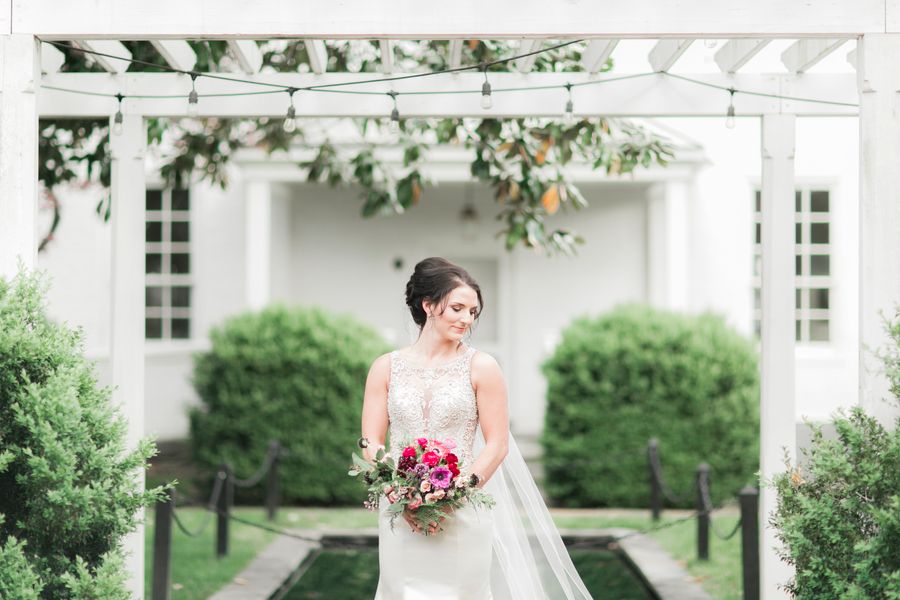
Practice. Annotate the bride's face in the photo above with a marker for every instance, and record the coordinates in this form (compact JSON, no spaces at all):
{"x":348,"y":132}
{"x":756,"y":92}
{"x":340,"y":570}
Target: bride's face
{"x":457,"y":315}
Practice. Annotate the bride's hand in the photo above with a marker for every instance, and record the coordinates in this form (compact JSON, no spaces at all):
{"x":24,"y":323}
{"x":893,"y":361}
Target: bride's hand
{"x":411,"y":520}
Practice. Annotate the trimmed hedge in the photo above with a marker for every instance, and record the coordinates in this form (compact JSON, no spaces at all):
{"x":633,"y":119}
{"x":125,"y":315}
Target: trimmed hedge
{"x":67,"y":481}
{"x":295,"y":375}
{"x":619,"y":379}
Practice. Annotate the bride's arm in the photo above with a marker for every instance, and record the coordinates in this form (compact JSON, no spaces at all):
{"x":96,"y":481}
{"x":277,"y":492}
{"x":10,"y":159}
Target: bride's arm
{"x":493,"y":415}
{"x":374,"y":412}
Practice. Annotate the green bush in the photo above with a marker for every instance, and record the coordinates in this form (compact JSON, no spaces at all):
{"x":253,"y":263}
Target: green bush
{"x":636,"y":373}
{"x":67,"y":485}
{"x":838,"y":517}
{"x":295,"y":375}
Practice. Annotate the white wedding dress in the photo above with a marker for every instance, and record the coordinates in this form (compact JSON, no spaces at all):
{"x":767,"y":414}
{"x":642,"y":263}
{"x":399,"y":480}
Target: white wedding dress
{"x":512,"y":551}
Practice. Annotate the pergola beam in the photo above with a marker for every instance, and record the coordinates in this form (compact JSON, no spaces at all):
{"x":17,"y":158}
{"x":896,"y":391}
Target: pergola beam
{"x":387,"y":55}
{"x":318,"y":56}
{"x":52,"y":58}
{"x":526,"y":63}
{"x":470,"y":19}
{"x":247,"y":54}
{"x":178,"y":53}
{"x":112,"y":47}
{"x":455,"y":52}
{"x":647,"y":95}
{"x":802,"y":55}
{"x":734,"y":54}
{"x":596,"y":54}
{"x":666,"y":52}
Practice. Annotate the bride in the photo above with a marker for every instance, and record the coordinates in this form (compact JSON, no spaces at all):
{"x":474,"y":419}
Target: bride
{"x":441,"y":388}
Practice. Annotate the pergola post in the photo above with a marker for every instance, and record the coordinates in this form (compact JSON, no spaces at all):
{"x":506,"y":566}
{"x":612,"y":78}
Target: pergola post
{"x":20,"y":76}
{"x":667,"y":244}
{"x":258,"y":213}
{"x":777,"y":412}
{"x":127,"y":329}
{"x":879,"y":218}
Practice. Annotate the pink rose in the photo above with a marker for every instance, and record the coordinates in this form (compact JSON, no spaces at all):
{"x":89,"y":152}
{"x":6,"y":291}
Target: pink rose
{"x":409,"y":452}
{"x":414,"y":504}
{"x":431,"y":459}
{"x":393,"y":497}
{"x":438,"y":494}
{"x":425,"y":487}
{"x":449,"y":444}
{"x":422,"y":442}
{"x":429,"y":498}
{"x":388,"y":489}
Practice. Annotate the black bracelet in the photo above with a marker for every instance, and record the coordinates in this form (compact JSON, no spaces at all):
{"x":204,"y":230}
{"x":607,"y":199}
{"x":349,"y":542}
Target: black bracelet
{"x":362,"y":442}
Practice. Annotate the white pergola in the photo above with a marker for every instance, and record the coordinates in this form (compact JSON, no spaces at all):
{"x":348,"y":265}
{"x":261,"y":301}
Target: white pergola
{"x":28,"y":69}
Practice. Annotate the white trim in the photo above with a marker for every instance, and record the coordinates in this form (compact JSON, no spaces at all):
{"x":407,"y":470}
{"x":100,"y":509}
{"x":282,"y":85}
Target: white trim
{"x":178,"y":53}
{"x":525,"y":64}
{"x":734,"y":54}
{"x":666,"y":52}
{"x":112,"y":47}
{"x":52,"y":58}
{"x":247,"y":54}
{"x":387,"y":55}
{"x":318,"y":56}
{"x":596,"y":54}
{"x":803,"y":55}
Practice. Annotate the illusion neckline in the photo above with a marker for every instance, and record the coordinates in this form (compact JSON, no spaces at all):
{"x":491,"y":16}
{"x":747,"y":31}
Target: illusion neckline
{"x":418,"y":365}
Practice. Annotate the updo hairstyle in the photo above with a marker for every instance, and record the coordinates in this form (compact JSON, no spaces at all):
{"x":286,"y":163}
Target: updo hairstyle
{"x":432,"y":280}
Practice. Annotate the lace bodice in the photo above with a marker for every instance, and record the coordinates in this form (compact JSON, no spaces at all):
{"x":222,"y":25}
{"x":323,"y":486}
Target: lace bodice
{"x":432,"y":402}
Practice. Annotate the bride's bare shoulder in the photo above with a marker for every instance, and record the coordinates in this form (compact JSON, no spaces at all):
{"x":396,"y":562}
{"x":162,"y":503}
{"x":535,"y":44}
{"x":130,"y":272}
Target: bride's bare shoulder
{"x":485,"y":366}
{"x":381,"y":367}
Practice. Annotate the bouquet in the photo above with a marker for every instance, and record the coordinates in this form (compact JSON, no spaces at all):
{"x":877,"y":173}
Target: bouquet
{"x":425,"y":480}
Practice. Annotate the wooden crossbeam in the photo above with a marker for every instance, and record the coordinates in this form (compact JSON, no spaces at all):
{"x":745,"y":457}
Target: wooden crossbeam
{"x":803,"y":54}
{"x":455,"y":53}
{"x":596,"y":54}
{"x":387,"y":56}
{"x":664,"y":54}
{"x":52,"y":58}
{"x":525,"y":64}
{"x":734,"y":54}
{"x":111,"y":47}
{"x":318,"y":56}
{"x":247,"y":54}
{"x":178,"y":53}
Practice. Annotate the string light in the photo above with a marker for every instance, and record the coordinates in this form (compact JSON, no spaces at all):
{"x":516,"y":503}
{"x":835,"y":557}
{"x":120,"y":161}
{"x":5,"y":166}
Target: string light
{"x":569,"y":115}
{"x":193,"y":98}
{"x":290,"y":120}
{"x":729,"y":115}
{"x":394,"y":126}
{"x":486,"y":101}
{"x":117,"y":119}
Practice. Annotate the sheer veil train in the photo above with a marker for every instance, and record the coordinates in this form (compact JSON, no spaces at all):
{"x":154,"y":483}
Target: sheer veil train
{"x":530,"y":560}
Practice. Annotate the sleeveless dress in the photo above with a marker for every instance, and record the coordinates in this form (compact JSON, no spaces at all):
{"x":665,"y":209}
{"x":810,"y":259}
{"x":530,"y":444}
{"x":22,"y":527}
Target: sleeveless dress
{"x":454,"y":564}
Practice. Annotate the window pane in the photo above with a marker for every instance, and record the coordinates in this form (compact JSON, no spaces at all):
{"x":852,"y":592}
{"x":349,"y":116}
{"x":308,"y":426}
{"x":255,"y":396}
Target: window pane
{"x":798,"y":265}
{"x":757,"y":265}
{"x":154,"y":295}
{"x":758,"y":237}
{"x":820,"y":264}
{"x":797,"y":329}
{"x":758,"y":201}
{"x":181,"y":296}
{"x":818,"y":298}
{"x":798,"y":235}
{"x":154,"y":263}
{"x":818,"y":233}
{"x":180,"y":200}
{"x":181,"y":263}
{"x":181,"y":328}
{"x":153,"y":328}
{"x":798,"y":298}
{"x":818,"y":330}
{"x":153,"y":231}
{"x":756,"y":299}
{"x":798,"y":206}
{"x":180,"y":231}
{"x":154,"y":199}
{"x":818,"y":201}
{"x":757,"y":328}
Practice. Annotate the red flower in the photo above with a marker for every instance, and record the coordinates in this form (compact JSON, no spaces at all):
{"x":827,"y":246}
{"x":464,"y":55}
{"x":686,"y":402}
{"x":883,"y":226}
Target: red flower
{"x":453,"y":468}
{"x":451,"y":458}
{"x":431,"y":459}
{"x":409,"y":451}
{"x":406,"y":463}
{"x":422,"y":442}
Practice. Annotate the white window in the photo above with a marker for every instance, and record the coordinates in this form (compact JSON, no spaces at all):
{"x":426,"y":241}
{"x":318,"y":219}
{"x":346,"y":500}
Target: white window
{"x":812,"y":264}
{"x":168,"y":279}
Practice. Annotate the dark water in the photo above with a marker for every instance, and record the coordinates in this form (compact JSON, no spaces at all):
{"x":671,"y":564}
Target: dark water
{"x":353,"y":575}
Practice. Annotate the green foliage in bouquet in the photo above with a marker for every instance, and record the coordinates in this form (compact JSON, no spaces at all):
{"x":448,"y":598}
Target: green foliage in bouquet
{"x":67,"y":481}
{"x":295,"y":375}
{"x":636,"y":373}
{"x":838,"y":515}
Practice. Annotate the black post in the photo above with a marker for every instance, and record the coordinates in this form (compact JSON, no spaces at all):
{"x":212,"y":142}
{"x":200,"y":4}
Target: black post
{"x":272,"y":481}
{"x":223,"y":509}
{"x":749,"y":497}
{"x":162,"y":549}
{"x":655,"y":486}
{"x":703,"y":512}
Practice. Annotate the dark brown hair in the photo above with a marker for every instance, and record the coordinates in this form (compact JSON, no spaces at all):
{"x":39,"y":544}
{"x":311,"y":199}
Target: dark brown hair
{"x":432,"y":280}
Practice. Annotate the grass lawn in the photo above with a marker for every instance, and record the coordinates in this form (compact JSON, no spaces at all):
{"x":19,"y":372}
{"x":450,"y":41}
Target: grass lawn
{"x":197,"y":573}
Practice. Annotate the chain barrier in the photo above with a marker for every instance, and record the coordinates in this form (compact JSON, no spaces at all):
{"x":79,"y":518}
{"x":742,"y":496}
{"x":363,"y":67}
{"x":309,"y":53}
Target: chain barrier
{"x":213,"y":499}
{"x":707,"y":509}
{"x":260,"y":472}
{"x":657,"y":474}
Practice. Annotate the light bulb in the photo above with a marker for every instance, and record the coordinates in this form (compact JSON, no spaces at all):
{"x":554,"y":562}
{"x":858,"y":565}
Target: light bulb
{"x":290,"y":120}
{"x":486,"y":101}
{"x":729,"y":117}
{"x":394,"y":127}
{"x":569,"y":115}
{"x":193,"y":104}
{"x":117,"y":123}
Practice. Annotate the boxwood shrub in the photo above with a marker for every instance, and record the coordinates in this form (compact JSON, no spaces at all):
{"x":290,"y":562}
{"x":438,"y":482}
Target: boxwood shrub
{"x":67,"y":480}
{"x":292,"y":374}
{"x":636,"y":373}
